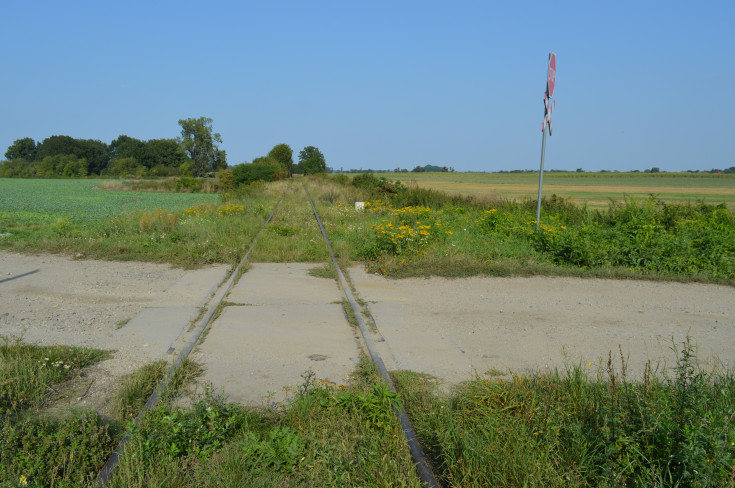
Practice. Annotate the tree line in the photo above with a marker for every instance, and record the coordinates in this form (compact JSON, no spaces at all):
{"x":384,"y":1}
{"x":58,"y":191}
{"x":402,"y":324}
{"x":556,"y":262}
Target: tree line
{"x":195,"y":153}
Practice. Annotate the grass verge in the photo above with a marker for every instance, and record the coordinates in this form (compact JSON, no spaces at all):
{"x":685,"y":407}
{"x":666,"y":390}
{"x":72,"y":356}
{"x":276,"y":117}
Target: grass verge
{"x":139,"y":386}
{"x":419,"y":232}
{"x":329,"y":436}
{"x":46,"y":450}
{"x":28,"y":371}
{"x":570,"y":429}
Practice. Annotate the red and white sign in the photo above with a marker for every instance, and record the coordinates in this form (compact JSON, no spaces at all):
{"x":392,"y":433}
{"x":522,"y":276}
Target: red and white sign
{"x":548,"y":103}
{"x":551,"y":78}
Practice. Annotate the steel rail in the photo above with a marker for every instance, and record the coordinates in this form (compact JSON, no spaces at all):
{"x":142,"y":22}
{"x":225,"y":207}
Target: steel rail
{"x":422,"y":463}
{"x":106,"y":472}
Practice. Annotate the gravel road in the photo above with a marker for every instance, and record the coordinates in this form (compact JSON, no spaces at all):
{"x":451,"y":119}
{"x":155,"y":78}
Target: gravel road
{"x":450,"y":328}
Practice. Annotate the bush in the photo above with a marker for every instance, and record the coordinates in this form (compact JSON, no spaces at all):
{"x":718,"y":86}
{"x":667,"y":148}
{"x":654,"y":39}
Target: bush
{"x":244,"y":174}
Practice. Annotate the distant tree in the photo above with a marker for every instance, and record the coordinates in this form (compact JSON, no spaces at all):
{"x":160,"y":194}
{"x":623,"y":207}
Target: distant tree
{"x":51,"y":146}
{"x":24,"y":149}
{"x":163,"y":152}
{"x":284,"y":155}
{"x":126,"y":147}
{"x":200,"y":144}
{"x":580,"y":170}
{"x":311,"y":161}
{"x":418,"y":169}
{"x":65,"y":165}
{"x":18,"y":168}
{"x":655,"y":170}
{"x":94,"y":152}
{"x":125,"y":167}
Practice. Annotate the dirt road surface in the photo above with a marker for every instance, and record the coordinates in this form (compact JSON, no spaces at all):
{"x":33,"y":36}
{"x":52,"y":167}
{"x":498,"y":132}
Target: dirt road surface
{"x":454,"y":328}
{"x":281,"y":322}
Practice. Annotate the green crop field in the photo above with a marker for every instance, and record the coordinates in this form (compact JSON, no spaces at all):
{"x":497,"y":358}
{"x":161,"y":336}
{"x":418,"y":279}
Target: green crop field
{"x":38,"y":200}
{"x":593,"y":189}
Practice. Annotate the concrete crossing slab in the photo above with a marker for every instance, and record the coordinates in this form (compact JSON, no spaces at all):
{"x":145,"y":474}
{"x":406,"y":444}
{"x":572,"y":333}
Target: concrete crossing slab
{"x":289,"y":323}
{"x":284,"y":284}
{"x":154,"y":330}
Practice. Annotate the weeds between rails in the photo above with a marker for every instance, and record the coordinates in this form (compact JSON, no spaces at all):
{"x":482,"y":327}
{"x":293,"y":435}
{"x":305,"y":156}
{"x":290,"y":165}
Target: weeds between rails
{"x":212,"y":443}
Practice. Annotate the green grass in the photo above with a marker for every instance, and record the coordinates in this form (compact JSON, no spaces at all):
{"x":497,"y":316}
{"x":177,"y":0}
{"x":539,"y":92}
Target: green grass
{"x":27,"y":371}
{"x":573,"y":429}
{"x":139,"y":386}
{"x":44,"y":450}
{"x":64,"y":449}
{"x":69,"y":216}
{"x":420,"y":232}
{"x":329,"y":436}
{"x":293,"y":235}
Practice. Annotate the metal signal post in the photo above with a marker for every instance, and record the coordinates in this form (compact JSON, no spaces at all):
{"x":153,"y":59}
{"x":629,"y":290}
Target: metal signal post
{"x":548,"y":108}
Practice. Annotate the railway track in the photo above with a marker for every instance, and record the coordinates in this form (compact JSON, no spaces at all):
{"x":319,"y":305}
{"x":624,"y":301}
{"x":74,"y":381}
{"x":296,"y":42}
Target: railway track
{"x":192,"y":338}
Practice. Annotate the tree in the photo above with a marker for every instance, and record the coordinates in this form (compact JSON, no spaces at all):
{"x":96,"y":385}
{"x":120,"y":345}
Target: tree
{"x":24,"y":149}
{"x":95,"y":152}
{"x":284,"y":155}
{"x":200,"y":144}
{"x":311,"y":161}
{"x":164,"y":152}
{"x":126,"y":147}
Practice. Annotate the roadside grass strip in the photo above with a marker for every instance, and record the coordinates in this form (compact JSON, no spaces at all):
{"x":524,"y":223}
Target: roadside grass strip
{"x":28,"y":371}
{"x":41,"y":450}
{"x":331,"y":435}
{"x":580,"y":427}
{"x":419,"y":232}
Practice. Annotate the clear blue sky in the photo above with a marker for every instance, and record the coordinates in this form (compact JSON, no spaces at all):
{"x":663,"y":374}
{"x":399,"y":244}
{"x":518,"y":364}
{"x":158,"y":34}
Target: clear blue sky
{"x":383,"y":84}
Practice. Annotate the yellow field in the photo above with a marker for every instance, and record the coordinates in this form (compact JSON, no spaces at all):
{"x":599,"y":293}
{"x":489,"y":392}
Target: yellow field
{"x":593,"y":189}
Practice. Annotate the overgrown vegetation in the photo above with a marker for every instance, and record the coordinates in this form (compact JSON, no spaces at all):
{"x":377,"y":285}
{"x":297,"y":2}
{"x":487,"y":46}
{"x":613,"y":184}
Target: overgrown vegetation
{"x":139,"y":386}
{"x":566,"y":429}
{"x":407,"y":231}
{"x":43,"y":450}
{"x":27,"y":371}
{"x":330,"y":435}
{"x":180,"y":228}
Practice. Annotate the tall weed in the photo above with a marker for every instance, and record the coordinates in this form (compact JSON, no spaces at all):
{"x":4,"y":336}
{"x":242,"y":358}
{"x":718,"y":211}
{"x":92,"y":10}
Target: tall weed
{"x":571,"y":429}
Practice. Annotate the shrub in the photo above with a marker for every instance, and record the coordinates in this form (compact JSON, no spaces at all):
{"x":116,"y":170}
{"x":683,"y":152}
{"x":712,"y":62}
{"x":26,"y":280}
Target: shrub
{"x":244,"y":174}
